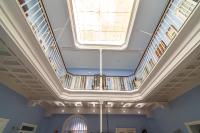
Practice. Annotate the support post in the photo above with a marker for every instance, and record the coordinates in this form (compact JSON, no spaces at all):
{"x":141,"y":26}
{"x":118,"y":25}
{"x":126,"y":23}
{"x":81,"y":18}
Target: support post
{"x":101,"y":116}
{"x":101,"y":71}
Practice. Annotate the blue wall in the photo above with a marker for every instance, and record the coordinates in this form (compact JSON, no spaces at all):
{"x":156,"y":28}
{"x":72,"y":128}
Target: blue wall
{"x":126,"y":121}
{"x":15,"y":107}
{"x":185,"y":108}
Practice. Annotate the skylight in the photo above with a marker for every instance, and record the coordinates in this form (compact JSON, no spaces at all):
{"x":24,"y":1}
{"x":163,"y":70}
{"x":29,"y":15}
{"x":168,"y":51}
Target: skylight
{"x":101,"y":22}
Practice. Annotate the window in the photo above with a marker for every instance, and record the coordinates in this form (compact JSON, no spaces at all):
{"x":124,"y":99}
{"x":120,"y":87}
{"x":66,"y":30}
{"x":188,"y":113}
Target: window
{"x":75,"y":124}
{"x":102,"y":22}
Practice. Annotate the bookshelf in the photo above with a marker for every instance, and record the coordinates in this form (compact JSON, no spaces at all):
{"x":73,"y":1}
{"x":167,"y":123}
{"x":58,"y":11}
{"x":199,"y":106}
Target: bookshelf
{"x":87,"y":82}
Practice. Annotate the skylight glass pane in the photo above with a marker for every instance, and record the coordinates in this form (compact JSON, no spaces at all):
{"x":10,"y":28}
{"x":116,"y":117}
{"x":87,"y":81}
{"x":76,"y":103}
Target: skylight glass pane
{"x":102,"y":22}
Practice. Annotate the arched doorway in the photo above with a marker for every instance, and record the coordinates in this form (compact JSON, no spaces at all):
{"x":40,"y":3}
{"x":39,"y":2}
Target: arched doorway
{"x":75,"y":124}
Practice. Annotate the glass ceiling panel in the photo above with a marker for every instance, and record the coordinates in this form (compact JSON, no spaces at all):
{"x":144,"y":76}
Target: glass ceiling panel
{"x":103,"y":22}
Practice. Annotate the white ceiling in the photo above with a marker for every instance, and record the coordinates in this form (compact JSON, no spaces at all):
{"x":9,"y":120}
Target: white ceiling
{"x":148,"y":15}
{"x":80,"y":58}
{"x":121,"y":59}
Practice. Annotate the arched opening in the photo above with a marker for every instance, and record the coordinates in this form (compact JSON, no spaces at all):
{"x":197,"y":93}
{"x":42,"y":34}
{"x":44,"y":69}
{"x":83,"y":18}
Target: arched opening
{"x":75,"y":124}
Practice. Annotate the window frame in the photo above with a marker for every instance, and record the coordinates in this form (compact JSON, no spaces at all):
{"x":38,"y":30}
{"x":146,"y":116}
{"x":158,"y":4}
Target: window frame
{"x":102,"y":46}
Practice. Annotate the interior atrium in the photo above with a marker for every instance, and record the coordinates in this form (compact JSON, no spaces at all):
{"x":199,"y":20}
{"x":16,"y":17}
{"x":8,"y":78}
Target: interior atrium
{"x":99,"y":66}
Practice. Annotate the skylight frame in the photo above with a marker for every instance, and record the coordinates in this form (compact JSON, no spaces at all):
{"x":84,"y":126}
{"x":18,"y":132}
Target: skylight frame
{"x":103,"y":46}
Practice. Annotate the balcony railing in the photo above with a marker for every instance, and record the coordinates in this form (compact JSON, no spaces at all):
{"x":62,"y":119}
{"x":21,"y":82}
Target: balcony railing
{"x":124,"y":83}
{"x":36,"y":17}
{"x":176,"y":14}
{"x":34,"y":12}
{"x":174,"y":18}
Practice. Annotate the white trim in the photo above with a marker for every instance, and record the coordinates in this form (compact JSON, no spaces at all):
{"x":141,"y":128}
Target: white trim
{"x":3,"y":123}
{"x":188,"y":124}
{"x":28,"y":125}
{"x":89,"y":110}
